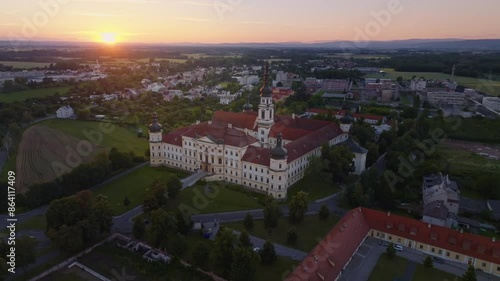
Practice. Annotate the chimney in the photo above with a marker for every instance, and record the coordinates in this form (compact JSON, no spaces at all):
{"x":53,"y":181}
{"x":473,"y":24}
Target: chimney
{"x":461,"y":230}
{"x":293,"y":116}
{"x":197,"y":122}
{"x":389,"y":213}
{"x":230,"y":126}
{"x":210,"y":122}
{"x":493,"y":239}
{"x":428,"y":225}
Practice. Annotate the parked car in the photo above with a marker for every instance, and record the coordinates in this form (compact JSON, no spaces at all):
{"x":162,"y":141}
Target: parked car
{"x":438,"y":260}
{"x":398,"y":247}
{"x":256,"y":249}
{"x":382,"y":243}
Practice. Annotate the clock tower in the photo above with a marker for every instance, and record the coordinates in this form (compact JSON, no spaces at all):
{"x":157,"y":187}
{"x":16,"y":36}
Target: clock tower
{"x":265,"y":119}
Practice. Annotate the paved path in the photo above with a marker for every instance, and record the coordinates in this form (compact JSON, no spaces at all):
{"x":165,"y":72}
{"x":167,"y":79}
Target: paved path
{"x":193,"y":178}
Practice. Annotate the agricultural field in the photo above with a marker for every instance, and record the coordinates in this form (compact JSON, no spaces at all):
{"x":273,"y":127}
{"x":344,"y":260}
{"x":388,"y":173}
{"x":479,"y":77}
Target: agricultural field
{"x":25,"y":64}
{"x":105,"y":134}
{"x":40,"y":147}
{"x":488,"y":86}
{"x":356,"y":56}
{"x":35,"y":93}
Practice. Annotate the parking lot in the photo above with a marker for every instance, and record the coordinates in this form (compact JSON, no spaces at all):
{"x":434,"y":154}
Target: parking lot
{"x":363,"y":261}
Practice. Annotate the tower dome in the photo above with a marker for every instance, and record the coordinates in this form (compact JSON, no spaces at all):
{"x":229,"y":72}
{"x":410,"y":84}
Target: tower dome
{"x":266,"y":91}
{"x":279,"y":152}
{"x":155,"y":127}
{"x":247,"y":106}
{"x":347,"y":118}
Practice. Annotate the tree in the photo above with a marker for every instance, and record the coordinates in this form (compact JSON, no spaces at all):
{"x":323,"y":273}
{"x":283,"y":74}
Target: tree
{"x":428,"y":263}
{"x":126,"y":201}
{"x":470,"y":274}
{"x":390,"y":251}
{"x":157,"y":196}
{"x":272,"y":213}
{"x":298,"y":207}
{"x":83,"y":113}
{"x":183,"y":225}
{"x":318,"y":169}
{"x":178,"y":245}
{"x":292,"y":236}
{"x":25,"y":251}
{"x":324,"y":213}
{"x":373,"y":153}
{"x":244,"y":240}
{"x":340,"y":160}
{"x":69,"y":238}
{"x":268,"y":254}
{"x":244,"y":265}
{"x":174,"y":186}
{"x":201,"y":254}
{"x":223,"y":249}
{"x":248,"y":222}
{"x":101,"y":215}
{"x":163,"y":227}
{"x":138,"y":228}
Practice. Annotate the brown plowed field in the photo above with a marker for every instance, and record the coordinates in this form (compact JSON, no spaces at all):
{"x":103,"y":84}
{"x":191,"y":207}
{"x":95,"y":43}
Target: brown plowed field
{"x":42,"y":147}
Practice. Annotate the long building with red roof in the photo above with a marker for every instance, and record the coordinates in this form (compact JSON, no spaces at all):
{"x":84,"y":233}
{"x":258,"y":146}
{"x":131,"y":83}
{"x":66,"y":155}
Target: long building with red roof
{"x":257,"y":149}
{"x":331,"y":256}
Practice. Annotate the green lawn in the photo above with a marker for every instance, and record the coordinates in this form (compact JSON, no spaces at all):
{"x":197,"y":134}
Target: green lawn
{"x":309,"y":232}
{"x":34,"y":223}
{"x":388,"y":269}
{"x":432,"y":274}
{"x":222,"y":199}
{"x":103,"y":134}
{"x":25,"y":64}
{"x":317,"y":189}
{"x":134,"y":185}
{"x":484,"y":85}
{"x":36,"y":93}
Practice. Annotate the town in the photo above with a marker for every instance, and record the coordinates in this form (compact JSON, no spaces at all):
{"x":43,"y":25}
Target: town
{"x":249,"y":161}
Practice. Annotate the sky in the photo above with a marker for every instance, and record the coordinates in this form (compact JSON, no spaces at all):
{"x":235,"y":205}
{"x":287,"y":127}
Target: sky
{"x":233,"y":21}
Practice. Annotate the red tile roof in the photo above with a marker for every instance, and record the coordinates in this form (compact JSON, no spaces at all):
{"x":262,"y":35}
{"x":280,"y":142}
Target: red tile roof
{"x":243,"y":120}
{"x":328,"y":258}
{"x":312,"y":140}
{"x":332,"y":254}
{"x":465,"y":243}
{"x":217,"y":132}
{"x":257,"y":155}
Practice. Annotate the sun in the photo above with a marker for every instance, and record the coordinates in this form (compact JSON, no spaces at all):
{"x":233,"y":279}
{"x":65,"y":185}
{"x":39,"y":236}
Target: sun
{"x":108,"y":38}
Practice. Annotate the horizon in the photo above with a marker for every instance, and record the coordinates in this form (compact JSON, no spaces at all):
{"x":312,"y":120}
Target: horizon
{"x":239,"y":21}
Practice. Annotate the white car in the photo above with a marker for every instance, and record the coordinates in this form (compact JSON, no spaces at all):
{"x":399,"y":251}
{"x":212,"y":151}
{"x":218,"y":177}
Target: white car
{"x":398,"y":247}
{"x":256,"y":249}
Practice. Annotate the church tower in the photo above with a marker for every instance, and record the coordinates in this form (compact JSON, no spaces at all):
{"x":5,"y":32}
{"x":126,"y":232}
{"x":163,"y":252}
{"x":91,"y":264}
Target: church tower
{"x":265,"y":119}
{"x":346,"y":122}
{"x":155,"y":138}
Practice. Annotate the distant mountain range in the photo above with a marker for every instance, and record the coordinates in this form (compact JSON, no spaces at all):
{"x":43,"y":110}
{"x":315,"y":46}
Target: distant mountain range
{"x":414,"y":44}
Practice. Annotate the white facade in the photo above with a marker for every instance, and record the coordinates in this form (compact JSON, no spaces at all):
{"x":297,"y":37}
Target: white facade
{"x":492,"y":103}
{"x":418,"y":85}
{"x":65,"y":112}
{"x":447,"y":98}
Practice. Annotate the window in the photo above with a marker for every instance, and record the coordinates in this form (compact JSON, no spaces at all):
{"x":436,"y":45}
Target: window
{"x":457,"y":257}
{"x":399,"y":240}
{"x":421,"y":247}
{"x":440,"y":252}
{"x":447,"y":254}
{"x":484,"y":264}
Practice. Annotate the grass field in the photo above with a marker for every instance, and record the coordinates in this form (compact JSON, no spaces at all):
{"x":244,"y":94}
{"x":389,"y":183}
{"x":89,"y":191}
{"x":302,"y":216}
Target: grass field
{"x":432,"y":274}
{"x":36,"y":93}
{"x":104,"y":134}
{"x":389,"y":269}
{"x":134,"y":185}
{"x":309,"y":232}
{"x":491,"y":87}
{"x":317,"y":189}
{"x":25,"y":64}
{"x":355,"y":56}
{"x":220,"y":199}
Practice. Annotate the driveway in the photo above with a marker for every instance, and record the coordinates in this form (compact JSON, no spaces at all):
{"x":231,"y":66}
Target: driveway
{"x":363,"y":261}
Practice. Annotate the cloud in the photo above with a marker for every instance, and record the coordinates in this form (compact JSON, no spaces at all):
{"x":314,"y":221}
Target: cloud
{"x":101,"y":15}
{"x":193,"y":19}
{"x":197,"y":3}
{"x":119,"y":1}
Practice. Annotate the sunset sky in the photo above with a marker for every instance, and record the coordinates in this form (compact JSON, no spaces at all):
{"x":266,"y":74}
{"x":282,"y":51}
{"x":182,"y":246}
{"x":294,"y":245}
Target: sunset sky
{"x":216,"y":21}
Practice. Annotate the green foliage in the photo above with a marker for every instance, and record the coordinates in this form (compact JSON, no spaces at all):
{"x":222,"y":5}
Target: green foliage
{"x":157,"y":197}
{"x":126,"y":201}
{"x":174,"y":186}
{"x":223,"y":249}
{"x":470,"y":274}
{"x":292,"y":236}
{"x":272,"y":213}
{"x":25,"y":251}
{"x":138,"y":228}
{"x":390,"y":251}
{"x":178,"y":245}
{"x":373,"y":153}
{"x":298,"y":207}
{"x":201,"y":254}
{"x":163,"y":227}
{"x":244,"y":240}
{"x":324,"y":213}
{"x":340,"y":161}
{"x":268,"y":254}
{"x":428,"y":263}
{"x":248,"y":222}
{"x":363,"y":132}
{"x":244,"y":265}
